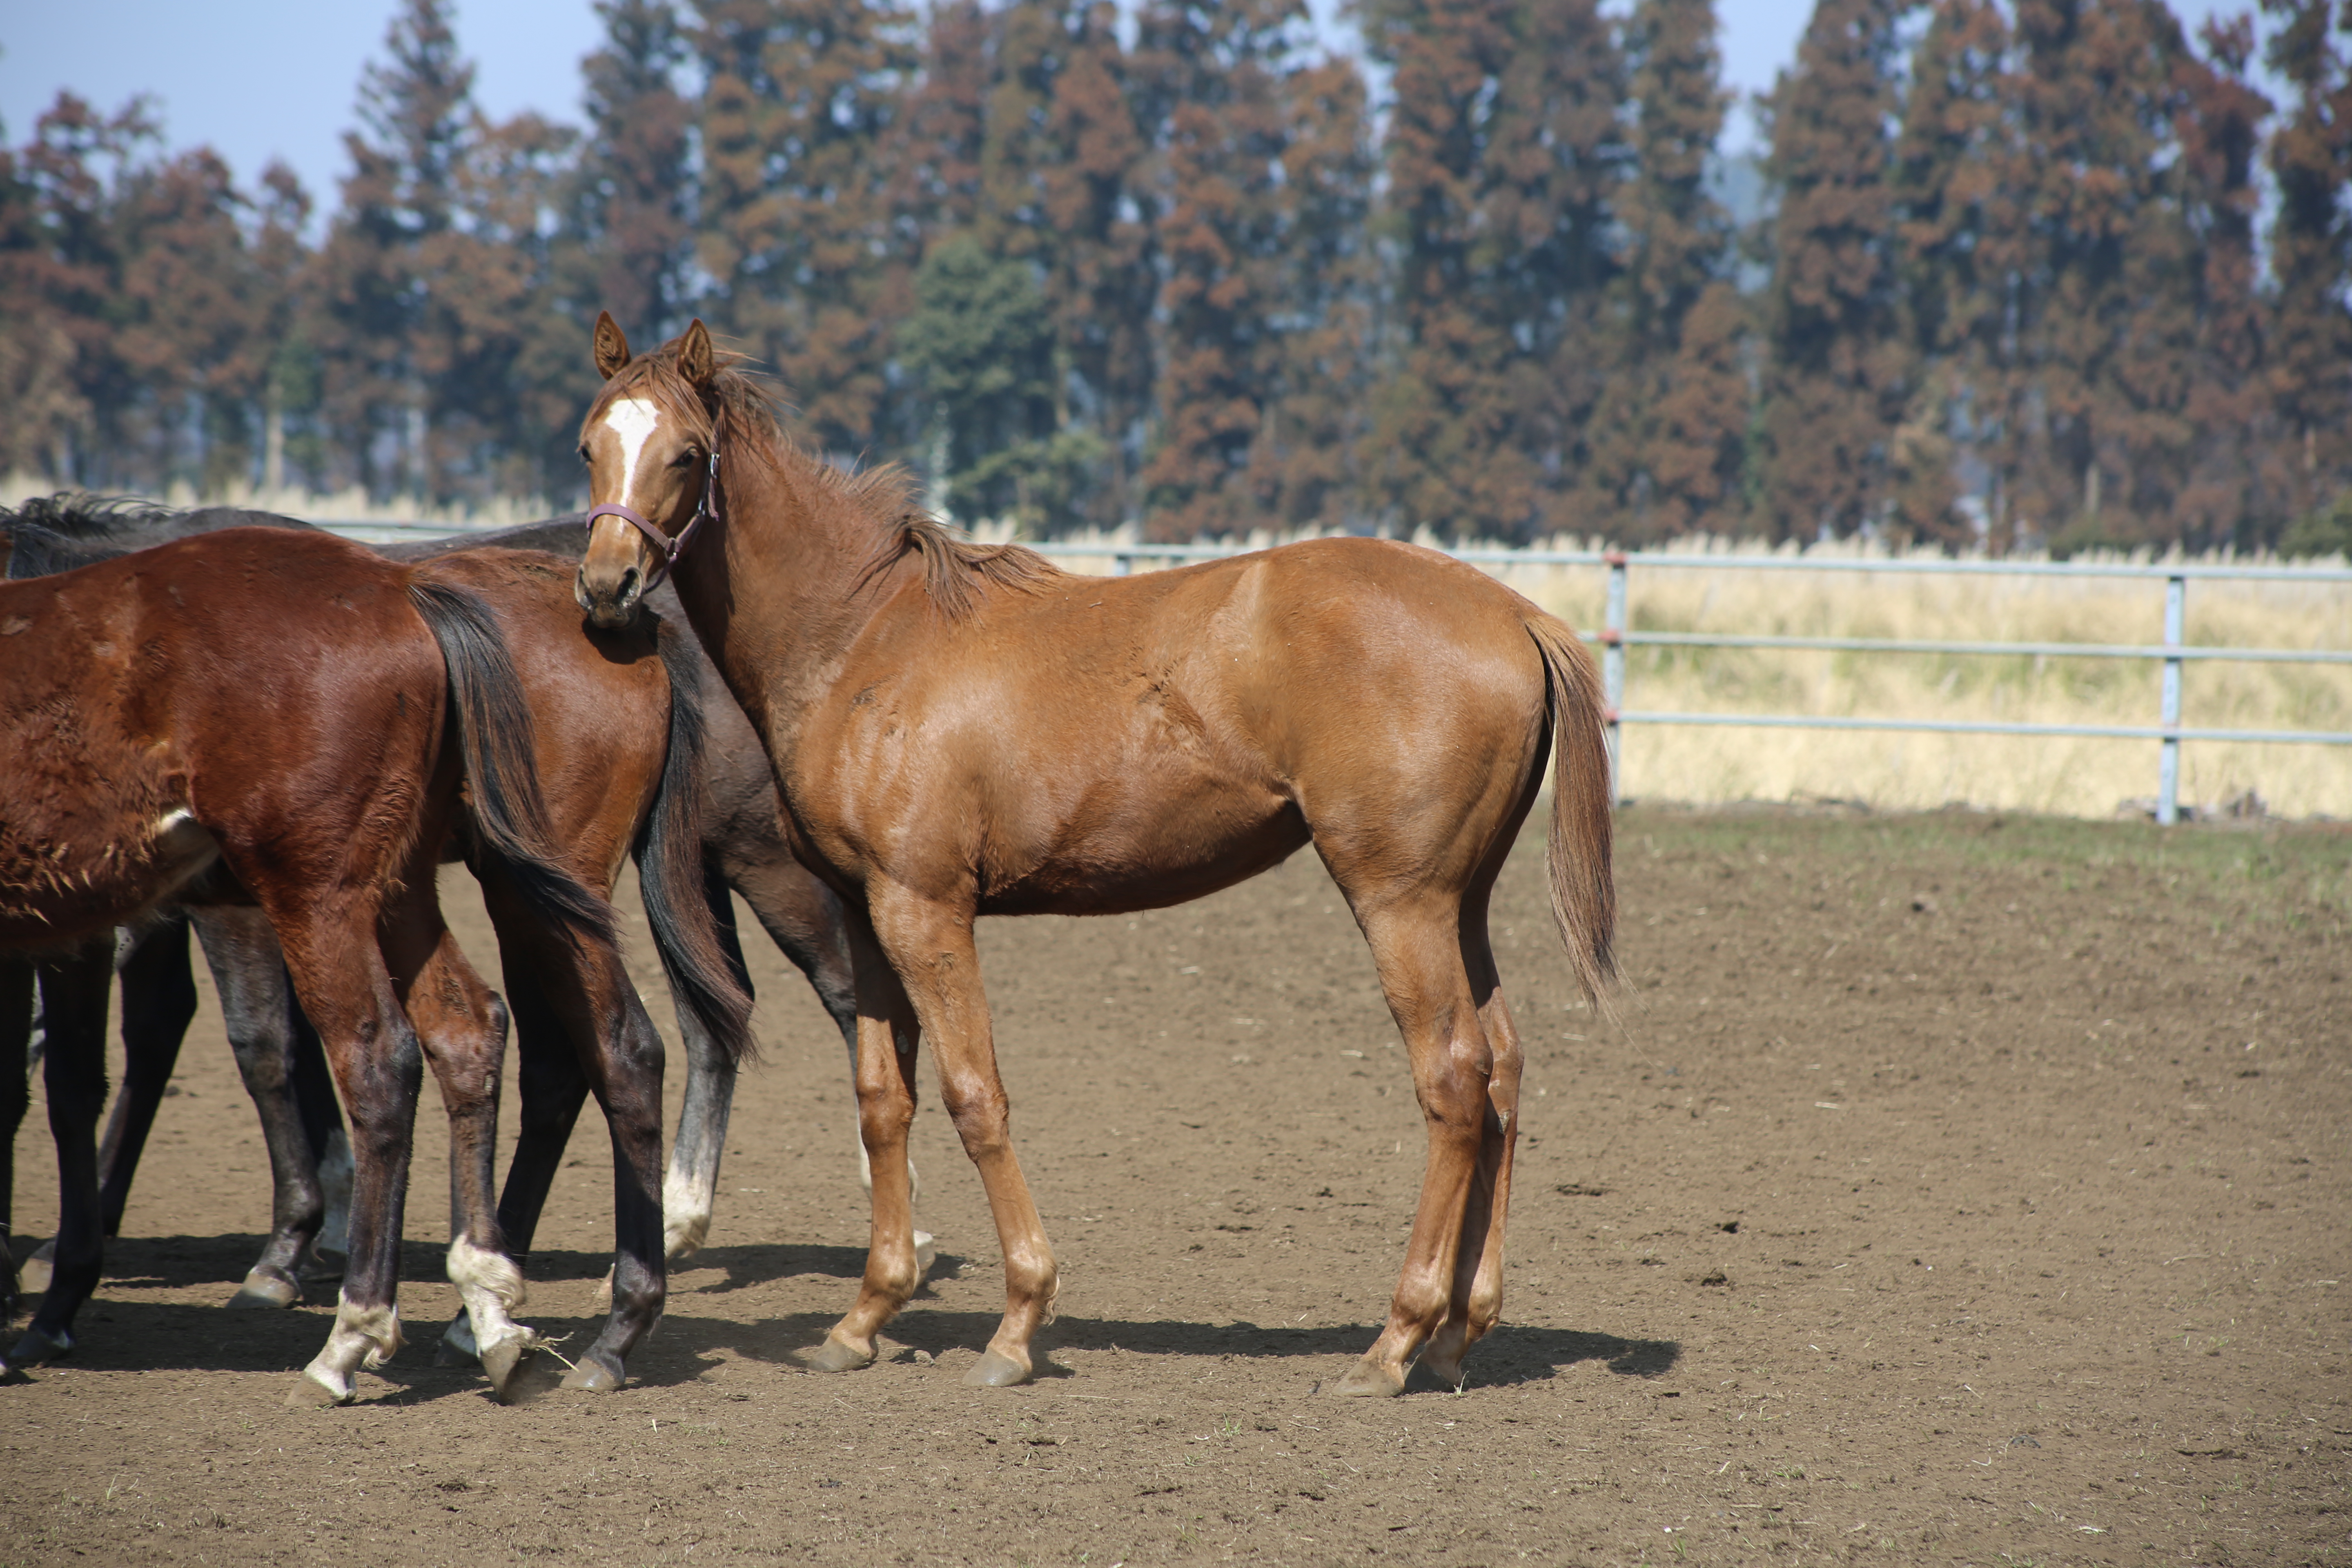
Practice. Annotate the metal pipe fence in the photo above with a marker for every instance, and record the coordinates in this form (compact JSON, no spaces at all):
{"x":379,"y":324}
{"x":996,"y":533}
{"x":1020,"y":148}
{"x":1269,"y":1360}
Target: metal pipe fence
{"x":1616,"y":635}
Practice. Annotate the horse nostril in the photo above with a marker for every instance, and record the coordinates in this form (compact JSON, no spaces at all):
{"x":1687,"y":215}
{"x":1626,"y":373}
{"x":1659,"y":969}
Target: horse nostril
{"x":629,"y":585}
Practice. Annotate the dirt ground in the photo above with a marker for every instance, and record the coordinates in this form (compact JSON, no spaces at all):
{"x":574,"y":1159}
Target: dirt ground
{"x":1955,"y":1189}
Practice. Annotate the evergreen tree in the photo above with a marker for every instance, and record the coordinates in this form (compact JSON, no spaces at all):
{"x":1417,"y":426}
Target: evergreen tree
{"x":980,"y":347}
{"x":1836,"y":378}
{"x":1503,"y":149}
{"x":2229,"y":486}
{"x":1956,"y":262}
{"x":1670,"y":427}
{"x":1305,"y":464}
{"x":795,"y":211}
{"x":1221,"y":232}
{"x":631,"y":242}
{"x":2311,"y":252}
{"x":415,"y":107}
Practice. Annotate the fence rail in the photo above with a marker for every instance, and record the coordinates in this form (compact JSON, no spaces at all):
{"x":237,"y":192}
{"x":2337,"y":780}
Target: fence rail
{"x":1616,"y":635}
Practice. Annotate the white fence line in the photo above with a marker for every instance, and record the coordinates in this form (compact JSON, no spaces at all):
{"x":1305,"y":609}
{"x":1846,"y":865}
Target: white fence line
{"x":1615,"y":636}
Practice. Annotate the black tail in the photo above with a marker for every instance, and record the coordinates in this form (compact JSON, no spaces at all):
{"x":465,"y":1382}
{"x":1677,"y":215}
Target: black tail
{"x":494,"y":733}
{"x":669,"y":871}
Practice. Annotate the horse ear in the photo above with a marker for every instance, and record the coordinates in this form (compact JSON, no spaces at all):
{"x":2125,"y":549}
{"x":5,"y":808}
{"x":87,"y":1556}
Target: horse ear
{"x":612,"y":345}
{"x":696,"y":360}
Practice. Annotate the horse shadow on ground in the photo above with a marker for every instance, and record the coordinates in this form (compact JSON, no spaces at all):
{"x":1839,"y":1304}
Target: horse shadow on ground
{"x":131,"y":1335}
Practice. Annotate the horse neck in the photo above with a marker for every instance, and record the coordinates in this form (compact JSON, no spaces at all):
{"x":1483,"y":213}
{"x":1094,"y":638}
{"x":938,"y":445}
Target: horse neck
{"x":786,"y":590}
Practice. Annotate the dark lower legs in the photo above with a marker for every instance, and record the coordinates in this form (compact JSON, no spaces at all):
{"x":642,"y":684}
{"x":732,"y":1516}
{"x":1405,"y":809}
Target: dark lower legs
{"x":74,"y":995}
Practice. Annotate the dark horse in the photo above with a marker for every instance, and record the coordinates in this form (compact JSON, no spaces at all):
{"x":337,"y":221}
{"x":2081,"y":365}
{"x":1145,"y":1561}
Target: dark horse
{"x":556,"y":719}
{"x":742,"y":849}
{"x":960,"y":732}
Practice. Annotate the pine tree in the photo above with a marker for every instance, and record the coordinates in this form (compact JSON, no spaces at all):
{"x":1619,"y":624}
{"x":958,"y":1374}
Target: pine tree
{"x":630,"y":240}
{"x":1305,"y":465}
{"x":2105,"y":297}
{"x":2311,"y":251}
{"x":795,"y":214}
{"x":415,"y":108}
{"x":1955,"y":262}
{"x":1670,"y":429}
{"x":2231,"y":484}
{"x":1503,"y":152}
{"x":1221,"y":231}
{"x":1835,"y":377}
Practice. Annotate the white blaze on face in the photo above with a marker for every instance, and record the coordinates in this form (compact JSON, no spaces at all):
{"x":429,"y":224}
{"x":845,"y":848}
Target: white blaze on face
{"x":633,"y":419}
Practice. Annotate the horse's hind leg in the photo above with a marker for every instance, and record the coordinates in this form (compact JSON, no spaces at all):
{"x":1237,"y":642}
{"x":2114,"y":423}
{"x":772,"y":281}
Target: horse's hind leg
{"x":15,"y":1098}
{"x":159,"y":1001}
{"x":551,"y":1087}
{"x":620,"y":1053}
{"x":263,"y":1034}
{"x":1415,"y":943}
{"x":74,"y":994}
{"x":340,"y":975}
{"x":690,"y":1188}
{"x":462,"y":1028}
{"x":809,"y":925}
{"x":1477,"y":1297}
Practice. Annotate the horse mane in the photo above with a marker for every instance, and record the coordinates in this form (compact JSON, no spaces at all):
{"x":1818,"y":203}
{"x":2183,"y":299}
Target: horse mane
{"x":77,"y":514}
{"x":741,"y":404}
{"x":35,"y":551}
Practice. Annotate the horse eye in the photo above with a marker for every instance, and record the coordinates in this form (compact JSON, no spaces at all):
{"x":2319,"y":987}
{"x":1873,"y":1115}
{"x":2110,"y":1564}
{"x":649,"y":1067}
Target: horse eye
{"x":584,"y":451}
{"x":684,"y":459}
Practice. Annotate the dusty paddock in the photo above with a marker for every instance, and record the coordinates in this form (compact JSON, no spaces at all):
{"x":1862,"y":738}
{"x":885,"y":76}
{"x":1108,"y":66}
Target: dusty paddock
{"x":1955,"y":1189}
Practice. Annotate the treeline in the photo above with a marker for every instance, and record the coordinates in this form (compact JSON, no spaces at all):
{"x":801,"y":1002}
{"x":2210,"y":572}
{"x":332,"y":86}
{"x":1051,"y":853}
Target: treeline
{"x":2053,"y":273}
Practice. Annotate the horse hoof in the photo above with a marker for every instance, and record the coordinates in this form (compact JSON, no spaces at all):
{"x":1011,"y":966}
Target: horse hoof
{"x":1368,"y":1379}
{"x":266,"y":1289}
{"x":836,"y":1354}
{"x":449,"y":1353}
{"x":37,"y":1347}
{"x":927,"y":1252}
{"x":996,"y":1370}
{"x":309,"y":1394}
{"x":1451,"y":1377}
{"x":322,"y":1266}
{"x":33,"y":1273}
{"x":592,"y":1375}
{"x":506,"y":1363}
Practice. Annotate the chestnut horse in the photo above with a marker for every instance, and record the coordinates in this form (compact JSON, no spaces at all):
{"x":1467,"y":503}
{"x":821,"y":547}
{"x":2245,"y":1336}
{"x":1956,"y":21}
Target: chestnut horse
{"x":314,"y":777}
{"x":960,"y":732}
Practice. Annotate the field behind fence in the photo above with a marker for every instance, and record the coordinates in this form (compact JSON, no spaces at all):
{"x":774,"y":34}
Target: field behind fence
{"x":2063,"y":776}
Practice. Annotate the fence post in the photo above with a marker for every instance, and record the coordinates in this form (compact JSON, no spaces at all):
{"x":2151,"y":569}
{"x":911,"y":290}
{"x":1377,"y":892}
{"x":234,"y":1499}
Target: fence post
{"x":1120,"y":565}
{"x":1613,"y":670}
{"x":2167,"y":778}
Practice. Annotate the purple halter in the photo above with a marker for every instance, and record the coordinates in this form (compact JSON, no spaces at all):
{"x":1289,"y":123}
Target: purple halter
{"x":670,"y":549}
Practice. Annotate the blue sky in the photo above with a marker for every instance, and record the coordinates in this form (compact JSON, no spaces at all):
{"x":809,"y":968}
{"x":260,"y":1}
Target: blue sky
{"x":277,"y":79}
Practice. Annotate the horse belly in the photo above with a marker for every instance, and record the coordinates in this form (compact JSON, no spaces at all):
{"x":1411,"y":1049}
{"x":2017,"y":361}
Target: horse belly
{"x":1151,"y":862}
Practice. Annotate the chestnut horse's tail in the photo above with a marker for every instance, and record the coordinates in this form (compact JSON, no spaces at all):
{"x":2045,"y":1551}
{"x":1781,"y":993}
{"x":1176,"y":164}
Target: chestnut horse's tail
{"x":501,"y":770}
{"x":669,"y":871}
{"x":1584,"y":893}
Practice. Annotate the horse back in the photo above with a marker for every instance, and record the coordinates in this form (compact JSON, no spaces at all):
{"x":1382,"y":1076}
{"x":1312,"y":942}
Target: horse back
{"x":266,"y":690}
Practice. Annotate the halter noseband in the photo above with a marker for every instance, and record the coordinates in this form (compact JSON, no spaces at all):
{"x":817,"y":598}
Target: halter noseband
{"x":669,"y":549}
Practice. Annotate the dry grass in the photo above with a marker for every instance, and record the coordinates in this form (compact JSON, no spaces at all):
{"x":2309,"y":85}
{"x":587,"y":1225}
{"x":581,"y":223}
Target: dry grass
{"x":2058,"y":776}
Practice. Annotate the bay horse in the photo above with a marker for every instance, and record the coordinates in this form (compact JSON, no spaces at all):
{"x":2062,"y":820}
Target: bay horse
{"x":548,"y":902}
{"x":961,"y":731}
{"x":742,"y":850}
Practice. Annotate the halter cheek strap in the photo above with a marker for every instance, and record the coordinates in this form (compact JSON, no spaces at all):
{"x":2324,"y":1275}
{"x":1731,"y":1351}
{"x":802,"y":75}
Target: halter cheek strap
{"x":668,"y":549}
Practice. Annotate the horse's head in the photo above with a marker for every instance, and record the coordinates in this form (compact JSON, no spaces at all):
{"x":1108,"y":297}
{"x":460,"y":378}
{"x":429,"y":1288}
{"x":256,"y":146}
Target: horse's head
{"x":649,"y":442}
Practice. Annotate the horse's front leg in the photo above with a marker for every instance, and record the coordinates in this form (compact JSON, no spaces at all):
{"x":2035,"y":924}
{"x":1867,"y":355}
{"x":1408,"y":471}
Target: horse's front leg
{"x":931,"y":949}
{"x":888,"y":1033}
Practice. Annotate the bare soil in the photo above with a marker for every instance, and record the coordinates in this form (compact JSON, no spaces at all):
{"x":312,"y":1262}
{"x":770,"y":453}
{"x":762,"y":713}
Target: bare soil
{"x":1954,"y":1189}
